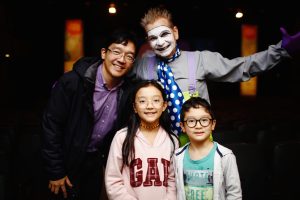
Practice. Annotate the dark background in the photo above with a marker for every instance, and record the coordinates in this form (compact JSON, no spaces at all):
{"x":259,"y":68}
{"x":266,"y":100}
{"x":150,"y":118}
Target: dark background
{"x":32,"y":32}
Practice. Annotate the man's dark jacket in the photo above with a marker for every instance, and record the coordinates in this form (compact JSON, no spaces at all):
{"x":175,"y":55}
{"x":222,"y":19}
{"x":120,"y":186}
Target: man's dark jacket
{"x":69,"y":117}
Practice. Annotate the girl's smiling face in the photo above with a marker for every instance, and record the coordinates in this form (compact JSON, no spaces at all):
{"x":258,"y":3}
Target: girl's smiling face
{"x":149,"y":104}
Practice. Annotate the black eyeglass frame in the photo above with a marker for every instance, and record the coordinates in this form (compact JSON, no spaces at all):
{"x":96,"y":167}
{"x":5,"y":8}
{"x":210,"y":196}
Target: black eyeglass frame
{"x":199,"y":120}
{"x":131,"y":59}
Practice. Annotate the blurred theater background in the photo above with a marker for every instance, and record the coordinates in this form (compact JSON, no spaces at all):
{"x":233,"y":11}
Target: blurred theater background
{"x":258,"y":120}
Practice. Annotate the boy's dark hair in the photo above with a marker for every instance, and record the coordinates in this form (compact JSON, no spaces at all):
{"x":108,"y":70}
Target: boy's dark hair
{"x":128,"y":151}
{"x":195,"y":102}
{"x":121,"y":36}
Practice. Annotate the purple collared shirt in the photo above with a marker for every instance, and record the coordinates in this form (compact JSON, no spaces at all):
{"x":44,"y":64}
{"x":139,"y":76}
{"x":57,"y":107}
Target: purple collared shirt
{"x":105,"y":110}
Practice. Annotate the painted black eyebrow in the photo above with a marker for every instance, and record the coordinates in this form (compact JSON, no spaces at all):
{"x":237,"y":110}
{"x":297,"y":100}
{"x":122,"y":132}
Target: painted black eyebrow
{"x":164,"y":32}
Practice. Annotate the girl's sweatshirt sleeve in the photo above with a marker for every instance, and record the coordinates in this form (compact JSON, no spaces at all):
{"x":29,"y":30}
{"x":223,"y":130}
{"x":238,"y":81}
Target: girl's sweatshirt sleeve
{"x":171,"y":190}
{"x":114,"y":181}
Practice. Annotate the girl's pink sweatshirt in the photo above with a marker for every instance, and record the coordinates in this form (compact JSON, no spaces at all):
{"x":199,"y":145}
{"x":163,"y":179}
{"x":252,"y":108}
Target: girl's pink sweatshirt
{"x":151,"y":174}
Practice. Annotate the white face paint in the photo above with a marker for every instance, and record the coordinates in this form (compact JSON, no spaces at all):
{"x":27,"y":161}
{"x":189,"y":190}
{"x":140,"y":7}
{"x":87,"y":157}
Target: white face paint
{"x":162,"y":41}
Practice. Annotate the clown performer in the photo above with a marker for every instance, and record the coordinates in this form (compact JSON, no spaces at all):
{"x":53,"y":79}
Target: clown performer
{"x":185,"y":73}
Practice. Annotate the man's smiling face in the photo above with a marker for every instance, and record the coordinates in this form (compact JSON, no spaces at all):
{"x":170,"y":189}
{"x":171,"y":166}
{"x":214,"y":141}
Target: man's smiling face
{"x":162,"y":38}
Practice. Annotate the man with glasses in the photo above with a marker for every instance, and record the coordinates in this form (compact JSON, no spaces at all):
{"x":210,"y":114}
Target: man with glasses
{"x":86,"y":107}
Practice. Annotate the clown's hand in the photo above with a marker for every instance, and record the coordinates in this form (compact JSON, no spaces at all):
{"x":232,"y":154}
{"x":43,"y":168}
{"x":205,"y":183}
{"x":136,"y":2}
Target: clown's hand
{"x":290,"y":43}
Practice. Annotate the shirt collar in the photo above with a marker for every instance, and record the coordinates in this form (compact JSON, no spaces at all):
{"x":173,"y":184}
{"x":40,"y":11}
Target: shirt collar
{"x":100,"y":82}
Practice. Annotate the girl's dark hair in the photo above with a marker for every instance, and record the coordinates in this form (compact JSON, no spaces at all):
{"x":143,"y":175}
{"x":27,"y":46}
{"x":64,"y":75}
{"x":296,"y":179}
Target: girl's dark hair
{"x":128,"y":150}
{"x":195,"y":102}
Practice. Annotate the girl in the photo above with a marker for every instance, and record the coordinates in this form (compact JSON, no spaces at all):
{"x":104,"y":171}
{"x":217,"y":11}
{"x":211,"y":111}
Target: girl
{"x":139,"y":164}
{"x":204,"y":169}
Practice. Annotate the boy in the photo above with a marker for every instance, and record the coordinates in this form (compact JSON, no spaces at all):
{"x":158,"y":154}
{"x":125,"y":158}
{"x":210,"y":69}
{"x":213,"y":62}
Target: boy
{"x":204,"y":169}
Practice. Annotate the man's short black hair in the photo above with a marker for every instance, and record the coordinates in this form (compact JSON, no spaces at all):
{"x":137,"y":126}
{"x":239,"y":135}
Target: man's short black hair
{"x":121,"y":36}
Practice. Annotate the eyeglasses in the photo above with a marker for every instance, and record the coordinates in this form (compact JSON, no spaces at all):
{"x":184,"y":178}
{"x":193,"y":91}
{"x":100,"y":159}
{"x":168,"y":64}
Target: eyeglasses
{"x":205,"y":121}
{"x":143,"y":103}
{"x":118,"y":53}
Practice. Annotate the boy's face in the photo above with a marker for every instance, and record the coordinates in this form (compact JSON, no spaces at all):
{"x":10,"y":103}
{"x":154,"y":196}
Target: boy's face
{"x":162,"y":38}
{"x":198,"y":133}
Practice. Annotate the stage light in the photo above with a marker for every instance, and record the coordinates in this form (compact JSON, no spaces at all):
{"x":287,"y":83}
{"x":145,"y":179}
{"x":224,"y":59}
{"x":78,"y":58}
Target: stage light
{"x":112,"y":8}
{"x":239,"y":14}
